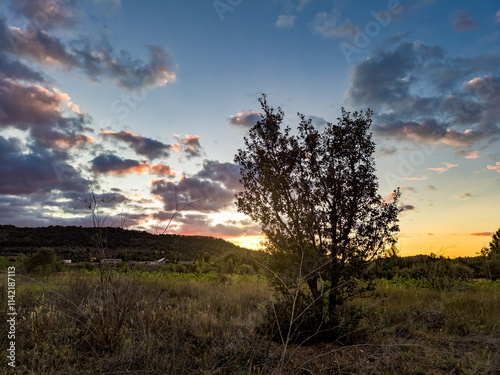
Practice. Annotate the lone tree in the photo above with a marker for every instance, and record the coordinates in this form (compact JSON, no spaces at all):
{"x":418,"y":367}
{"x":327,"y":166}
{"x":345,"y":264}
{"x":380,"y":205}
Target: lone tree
{"x":315,"y":197}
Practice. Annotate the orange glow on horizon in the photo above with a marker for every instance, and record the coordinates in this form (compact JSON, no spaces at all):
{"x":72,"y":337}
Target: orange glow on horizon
{"x":249,"y":242}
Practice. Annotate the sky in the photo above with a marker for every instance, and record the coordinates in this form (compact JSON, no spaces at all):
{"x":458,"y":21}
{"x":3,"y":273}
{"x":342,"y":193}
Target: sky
{"x":147,"y":102}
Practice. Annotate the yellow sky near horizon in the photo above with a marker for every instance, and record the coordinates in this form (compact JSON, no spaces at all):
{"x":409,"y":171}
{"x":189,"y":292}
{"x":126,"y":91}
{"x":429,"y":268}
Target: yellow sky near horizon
{"x":448,"y":245}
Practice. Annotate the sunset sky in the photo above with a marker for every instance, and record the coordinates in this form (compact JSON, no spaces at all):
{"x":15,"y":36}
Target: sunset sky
{"x":150,"y":100}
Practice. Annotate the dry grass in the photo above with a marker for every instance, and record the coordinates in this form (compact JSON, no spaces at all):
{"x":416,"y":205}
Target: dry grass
{"x":146,"y":325}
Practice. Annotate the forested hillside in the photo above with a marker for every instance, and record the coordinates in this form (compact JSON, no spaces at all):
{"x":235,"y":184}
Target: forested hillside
{"x":76,"y":242}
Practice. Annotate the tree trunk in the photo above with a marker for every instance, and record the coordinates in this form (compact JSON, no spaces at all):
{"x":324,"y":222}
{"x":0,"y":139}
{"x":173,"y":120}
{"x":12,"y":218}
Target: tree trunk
{"x":312,"y":283}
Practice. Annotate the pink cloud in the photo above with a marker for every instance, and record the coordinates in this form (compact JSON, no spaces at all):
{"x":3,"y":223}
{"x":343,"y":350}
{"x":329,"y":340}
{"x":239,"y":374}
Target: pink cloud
{"x":473,"y":155}
{"x":494,"y":167}
{"x":162,"y":169}
{"x":447,"y":167}
{"x":415,"y":178}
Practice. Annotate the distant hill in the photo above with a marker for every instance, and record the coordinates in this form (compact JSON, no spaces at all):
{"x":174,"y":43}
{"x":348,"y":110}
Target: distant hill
{"x":76,"y":243}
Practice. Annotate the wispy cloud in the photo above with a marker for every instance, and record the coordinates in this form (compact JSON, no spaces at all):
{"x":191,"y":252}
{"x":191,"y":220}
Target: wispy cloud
{"x":331,"y":25}
{"x":447,"y":167}
{"x":495,"y":167}
{"x":285,"y":21}
{"x":144,"y":146}
{"x":482,"y":234}
{"x":462,"y":21}
{"x":95,"y":61}
{"x":467,"y":196}
{"x":190,"y":145}
{"x":473,"y":155}
{"x":415,"y":178}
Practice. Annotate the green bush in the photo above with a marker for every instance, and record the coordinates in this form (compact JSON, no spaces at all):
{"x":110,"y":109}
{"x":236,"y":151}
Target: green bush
{"x":4,"y":263}
{"x":86,"y":266}
{"x":43,"y":263}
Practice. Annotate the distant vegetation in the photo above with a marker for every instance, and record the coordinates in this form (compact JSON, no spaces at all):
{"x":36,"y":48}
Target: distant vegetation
{"x":76,"y":243}
{"x":213,"y":320}
{"x":46,"y":247}
{"x":211,"y":314}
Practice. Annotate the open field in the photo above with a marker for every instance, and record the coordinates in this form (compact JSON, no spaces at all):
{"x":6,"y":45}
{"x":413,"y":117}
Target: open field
{"x":150,"y":324}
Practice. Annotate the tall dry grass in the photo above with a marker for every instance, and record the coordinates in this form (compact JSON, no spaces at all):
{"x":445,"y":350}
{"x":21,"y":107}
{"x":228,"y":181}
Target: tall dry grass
{"x":164,"y":325}
{"x":145,"y":325}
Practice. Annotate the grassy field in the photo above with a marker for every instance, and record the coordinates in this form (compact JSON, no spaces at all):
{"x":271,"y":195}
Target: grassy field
{"x":192,"y":324}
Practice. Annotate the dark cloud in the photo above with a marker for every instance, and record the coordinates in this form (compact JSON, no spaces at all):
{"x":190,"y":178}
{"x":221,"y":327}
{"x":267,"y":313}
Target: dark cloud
{"x":420,"y":93}
{"x":16,"y":70}
{"x":26,"y":106}
{"x":48,"y":114}
{"x":202,"y":224}
{"x":43,"y":209}
{"x":383,"y":79}
{"x":226,"y":173}
{"x":95,"y":62}
{"x":409,"y":188}
{"x":144,"y":146}
{"x":407,"y":207}
{"x":60,"y":140}
{"x":190,"y":146}
{"x":40,"y":175}
{"x":128,"y":72}
{"x":27,"y":173}
{"x":212,"y":189}
{"x":428,"y":131}
{"x":112,"y":164}
{"x":227,"y":230}
{"x":462,"y":21}
{"x":36,"y":45}
{"x":432,"y":187}
{"x":47,"y":13}
{"x":200,"y":195}
{"x":245,"y":119}
{"x":9,"y":146}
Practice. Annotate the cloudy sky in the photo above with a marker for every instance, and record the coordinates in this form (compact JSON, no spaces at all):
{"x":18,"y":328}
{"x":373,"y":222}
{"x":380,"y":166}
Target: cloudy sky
{"x":148,"y":102}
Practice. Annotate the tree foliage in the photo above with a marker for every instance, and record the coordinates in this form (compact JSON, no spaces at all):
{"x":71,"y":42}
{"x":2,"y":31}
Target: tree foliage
{"x":44,"y":262}
{"x":315,"y":195}
{"x":495,"y":244}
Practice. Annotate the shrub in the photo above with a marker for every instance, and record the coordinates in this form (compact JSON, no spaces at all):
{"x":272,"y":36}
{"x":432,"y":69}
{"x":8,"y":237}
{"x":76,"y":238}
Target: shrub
{"x":43,"y":263}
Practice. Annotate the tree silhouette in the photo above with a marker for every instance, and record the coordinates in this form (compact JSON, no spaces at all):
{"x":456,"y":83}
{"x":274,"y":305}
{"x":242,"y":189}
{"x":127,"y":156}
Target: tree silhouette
{"x":495,"y":243}
{"x":315,"y":197}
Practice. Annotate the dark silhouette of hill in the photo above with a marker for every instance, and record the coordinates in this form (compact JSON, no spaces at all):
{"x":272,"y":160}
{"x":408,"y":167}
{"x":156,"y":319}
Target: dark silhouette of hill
{"x":76,"y":243}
